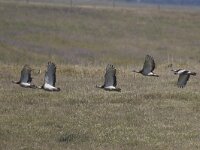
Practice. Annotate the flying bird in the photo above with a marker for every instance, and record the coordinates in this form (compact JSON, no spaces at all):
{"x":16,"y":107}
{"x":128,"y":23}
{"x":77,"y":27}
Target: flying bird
{"x":184,"y":76}
{"x":50,"y":78}
{"x":148,"y":67}
{"x":110,"y":80}
{"x":25,"y":79}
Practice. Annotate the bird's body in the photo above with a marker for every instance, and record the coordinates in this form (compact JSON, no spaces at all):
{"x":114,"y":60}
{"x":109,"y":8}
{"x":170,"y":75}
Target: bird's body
{"x":25,"y":78}
{"x":148,"y":67}
{"x":184,"y":76}
{"x":110,"y":82}
{"x":50,"y":78}
{"x":178,"y":71}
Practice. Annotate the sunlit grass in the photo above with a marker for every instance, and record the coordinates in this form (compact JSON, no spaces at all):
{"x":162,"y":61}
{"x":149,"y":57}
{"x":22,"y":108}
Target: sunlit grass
{"x":149,"y":113}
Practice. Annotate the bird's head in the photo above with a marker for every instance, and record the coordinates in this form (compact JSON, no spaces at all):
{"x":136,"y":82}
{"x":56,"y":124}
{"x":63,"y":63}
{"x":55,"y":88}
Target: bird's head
{"x":174,"y":71}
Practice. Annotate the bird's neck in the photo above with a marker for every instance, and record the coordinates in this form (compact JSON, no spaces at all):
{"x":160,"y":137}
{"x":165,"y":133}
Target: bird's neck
{"x":16,"y":82}
{"x":137,"y":71}
{"x":97,"y":86}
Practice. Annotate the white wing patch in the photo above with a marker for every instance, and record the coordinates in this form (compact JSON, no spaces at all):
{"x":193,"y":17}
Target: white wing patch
{"x":181,"y":71}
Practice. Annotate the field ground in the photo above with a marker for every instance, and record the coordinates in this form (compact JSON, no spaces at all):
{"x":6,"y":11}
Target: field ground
{"x":149,"y":113}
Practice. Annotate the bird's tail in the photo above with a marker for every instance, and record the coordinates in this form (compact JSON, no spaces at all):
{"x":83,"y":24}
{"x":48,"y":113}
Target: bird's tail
{"x":155,"y":75}
{"x":118,"y":90}
{"x":193,"y":73}
{"x":57,"y":90}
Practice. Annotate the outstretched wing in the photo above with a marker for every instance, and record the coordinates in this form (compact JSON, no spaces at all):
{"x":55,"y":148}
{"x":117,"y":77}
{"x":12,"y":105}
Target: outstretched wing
{"x":149,"y":64}
{"x":110,"y":76}
{"x":182,"y":80}
{"x":50,"y":75}
{"x":26,"y":74}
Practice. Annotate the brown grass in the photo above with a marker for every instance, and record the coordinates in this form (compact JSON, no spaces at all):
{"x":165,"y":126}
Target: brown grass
{"x":149,"y":113}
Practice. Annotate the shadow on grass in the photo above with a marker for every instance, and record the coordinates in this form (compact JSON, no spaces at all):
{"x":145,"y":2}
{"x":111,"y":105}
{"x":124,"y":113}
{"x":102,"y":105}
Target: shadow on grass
{"x":73,"y":137}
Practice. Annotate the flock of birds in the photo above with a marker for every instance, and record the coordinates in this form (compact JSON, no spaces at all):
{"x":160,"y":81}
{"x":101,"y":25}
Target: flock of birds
{"x":110,"y":79}
{"x":49,"y":78}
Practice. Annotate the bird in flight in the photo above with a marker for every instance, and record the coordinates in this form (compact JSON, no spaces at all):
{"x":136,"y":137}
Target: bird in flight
{"x":184,"y":76}
{"x":25,"y":78}
{"x":110,"y":80}
{"x":148,"y":67}
{"x":50,"y":78}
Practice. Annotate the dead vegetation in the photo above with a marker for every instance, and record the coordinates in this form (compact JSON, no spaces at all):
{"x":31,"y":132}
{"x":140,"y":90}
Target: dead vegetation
{"x":149,"y":113}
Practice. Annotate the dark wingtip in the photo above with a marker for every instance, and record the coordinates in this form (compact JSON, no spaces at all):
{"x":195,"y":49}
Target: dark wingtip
{"x":147,"y":55}
{"x":181,"y":86}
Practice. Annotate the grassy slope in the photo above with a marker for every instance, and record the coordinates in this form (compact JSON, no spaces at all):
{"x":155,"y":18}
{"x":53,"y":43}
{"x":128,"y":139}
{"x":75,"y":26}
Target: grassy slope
{"x":149,"y":113}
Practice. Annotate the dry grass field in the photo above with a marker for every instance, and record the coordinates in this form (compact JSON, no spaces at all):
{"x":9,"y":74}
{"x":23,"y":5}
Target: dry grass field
{"x":149,"y":113}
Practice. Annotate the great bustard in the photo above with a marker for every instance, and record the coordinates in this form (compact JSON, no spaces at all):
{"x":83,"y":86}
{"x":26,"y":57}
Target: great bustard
{"x":50,"y":78}
{"x":25,"y":79}
{"x":110,"y":81}
{"x":184,"y":76}
{"x":148,"y":67}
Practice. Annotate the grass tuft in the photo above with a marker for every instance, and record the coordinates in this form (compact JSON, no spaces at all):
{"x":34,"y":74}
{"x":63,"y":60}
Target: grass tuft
{"x":149,"y":113}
